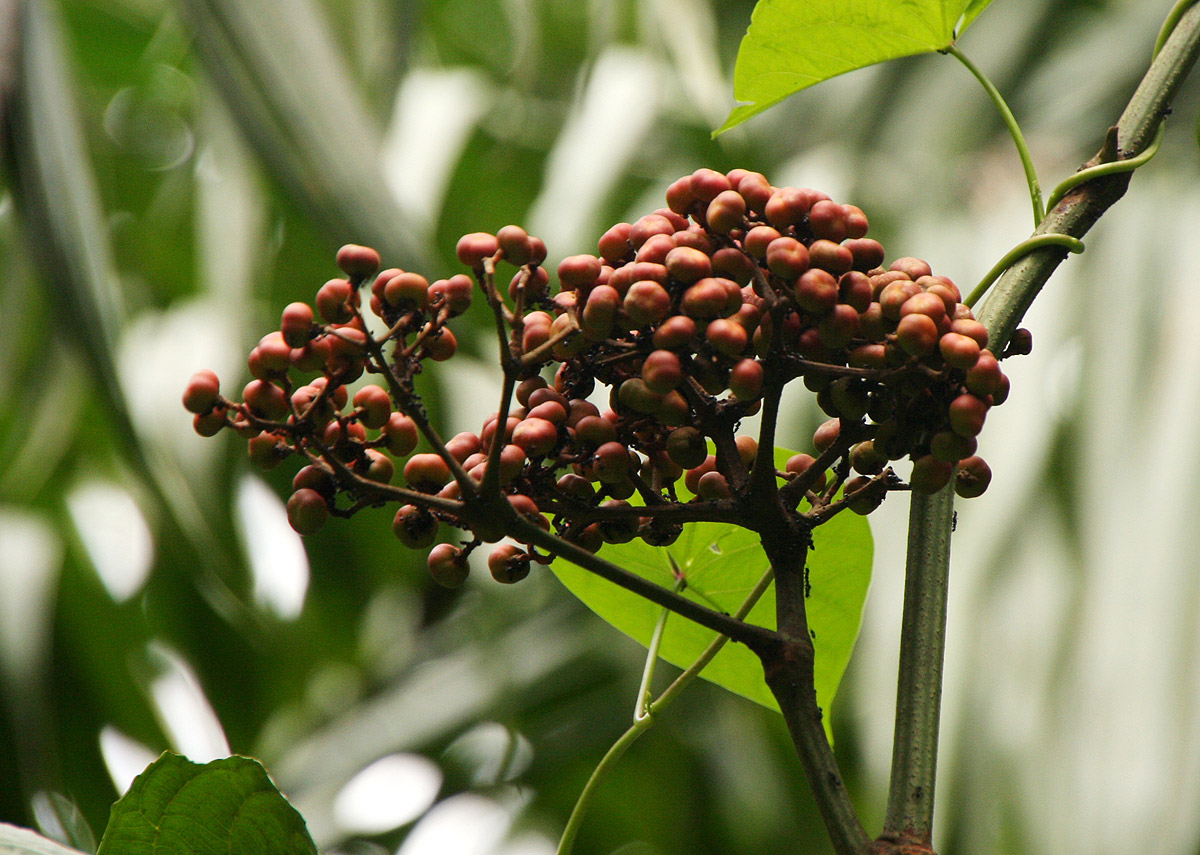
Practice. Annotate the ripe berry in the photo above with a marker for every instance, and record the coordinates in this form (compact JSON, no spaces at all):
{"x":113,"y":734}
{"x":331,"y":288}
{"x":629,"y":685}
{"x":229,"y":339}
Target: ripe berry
{"x":830,"y":256}
{"x":787,"y":258}
{"x":266,"y":400}
{"x":647,"y":303}
{"x":746,"y":379}
{"x":307,"y":511}
{"x":415,"y":527}
{"x":973,"y":477}
{"x":707,"y":184}
{"x":473,"y":248}
{"x":726,"y":212}
{"x":407,"y":291}
{"x":514,"y":240}
{"x":917,"y":334}
{"x":357,"y":262}
{"x":967,"y":413}
{"x":333,"y":301}
{"x":662,"y":371}
{"x":375,"y":404}
{"x":930,"y":474}
{"x":201,"y":393}
{"x":959,"y":351}
{"x":448,"y":565}
{"x":508,"y":563}
{"x":578,"y":271}
{"x":827,"y":221}
{"x":296,"y":324}
{"x":400,"y":433}
{"x":713,"y":487}
{"x":705,"y":299}
{"x":537,"y":437}
{"x":686,"y":264}
{"x":265,"y":450}
{"x":455,"y":293}
{"x":727,"y":337}
{"x":426,"y":473}
{"x":614,"y":244}
{"x":817,"y":291}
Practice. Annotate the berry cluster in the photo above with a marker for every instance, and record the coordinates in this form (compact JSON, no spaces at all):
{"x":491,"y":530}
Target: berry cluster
{"x":694,"y":317}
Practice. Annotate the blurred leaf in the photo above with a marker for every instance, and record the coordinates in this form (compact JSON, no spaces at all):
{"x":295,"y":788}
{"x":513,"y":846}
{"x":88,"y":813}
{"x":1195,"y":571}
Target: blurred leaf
{"x":226,"y":807}
{"x":22,"y":841}
{"x":721,"y":563}
{"x":60,"y":818}
{"x":281,"y":74}
{"x":794,"y":44}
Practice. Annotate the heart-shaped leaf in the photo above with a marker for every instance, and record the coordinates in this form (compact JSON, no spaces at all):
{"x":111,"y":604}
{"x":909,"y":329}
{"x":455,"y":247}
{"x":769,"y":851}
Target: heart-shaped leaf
{"x":793,"y":44}
{"x":720,"y":564}
{"x":226,"y":807}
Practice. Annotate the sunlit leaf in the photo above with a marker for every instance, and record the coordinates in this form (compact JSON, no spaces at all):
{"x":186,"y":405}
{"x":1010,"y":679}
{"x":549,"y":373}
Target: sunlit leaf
{"x":720,"y":564}
{"x":226,"y":807}
{"x":794,"y":44}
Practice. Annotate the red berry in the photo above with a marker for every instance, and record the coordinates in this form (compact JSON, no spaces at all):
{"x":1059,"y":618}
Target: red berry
{"x":726,"y":212}
{"x":508,"y":563}
{"x":307,"y":511}
{"x":514,"y":240}
{"x":415,"y":527}
{"x":967,"y":414}
{"x":333,"y":301}
{"x":296,"y":324}
{"x":426,"y":473}
{"x":202,"y":391}
{"x":973,"y":477}
{"x":473,"y":248}
{"x":357,"y":262}
{"x":454,"y":292}
{"x":448,"y":565}
{"x":930,"y":474}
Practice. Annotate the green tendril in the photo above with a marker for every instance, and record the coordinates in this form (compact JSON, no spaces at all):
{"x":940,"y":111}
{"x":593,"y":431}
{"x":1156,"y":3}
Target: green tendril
{"x":1017,"y":253}
{"x":1014,"y":129}
{"x":1113,"y":167}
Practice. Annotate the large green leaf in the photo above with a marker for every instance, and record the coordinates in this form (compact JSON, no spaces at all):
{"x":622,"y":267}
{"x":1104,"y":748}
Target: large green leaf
{"x":721,"y":563}
{"x":793,"y":44}
{"x":226,"y":807}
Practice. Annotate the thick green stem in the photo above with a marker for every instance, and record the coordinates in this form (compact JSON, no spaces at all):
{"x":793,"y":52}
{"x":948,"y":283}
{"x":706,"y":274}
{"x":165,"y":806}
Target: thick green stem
{"x":910,"y":812}
{"x":1014,"y":130}
{"x":919,"y":691}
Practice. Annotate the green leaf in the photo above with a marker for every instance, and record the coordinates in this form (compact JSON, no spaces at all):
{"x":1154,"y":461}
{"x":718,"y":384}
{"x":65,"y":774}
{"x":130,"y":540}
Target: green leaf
{"x":720,"y":564}
{"x":793,"y":44}
{"x":22,"y":841}
{"x":974,"y":8}
{"x":226,"y":807}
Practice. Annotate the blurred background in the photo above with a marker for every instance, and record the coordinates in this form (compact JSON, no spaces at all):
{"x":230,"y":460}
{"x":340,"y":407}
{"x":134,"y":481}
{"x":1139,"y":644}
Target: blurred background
{"x":176,"y":172}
